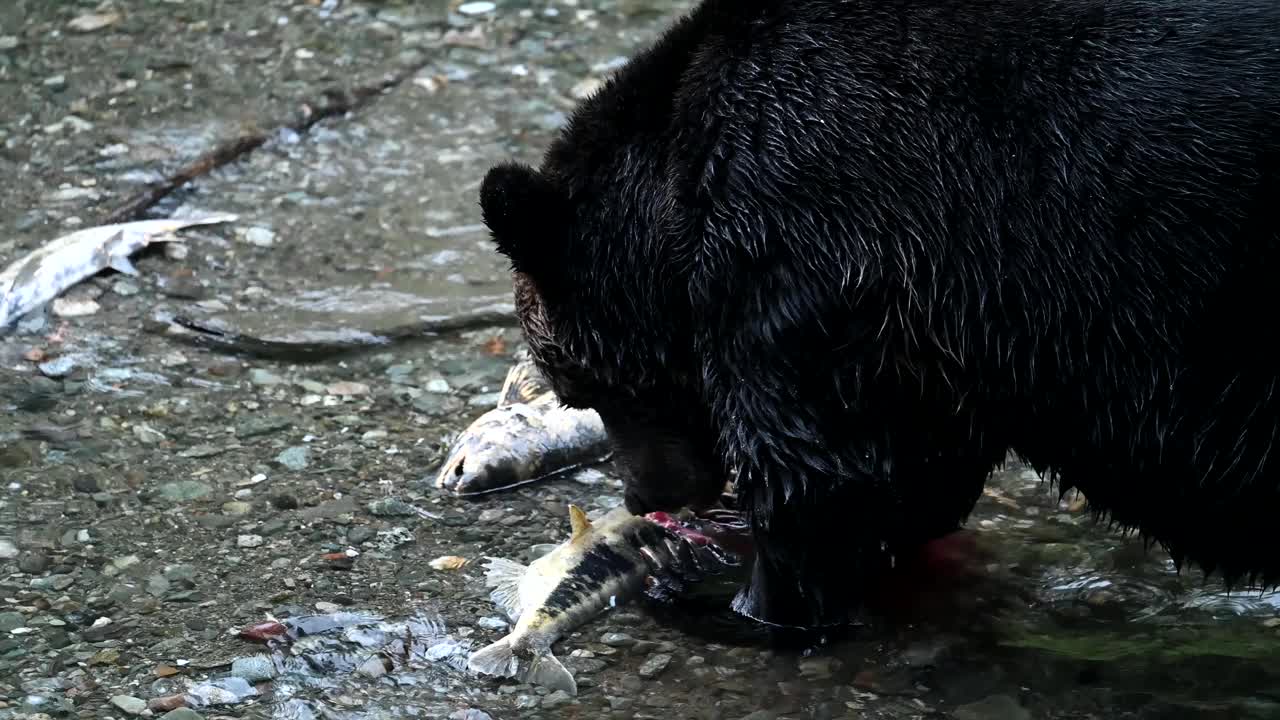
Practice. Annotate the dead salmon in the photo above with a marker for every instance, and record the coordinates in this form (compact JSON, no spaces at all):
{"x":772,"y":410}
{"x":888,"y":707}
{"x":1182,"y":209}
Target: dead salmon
{"x":527,"y":438}
{"x":601,"y":565}
{"x":46,"y":272}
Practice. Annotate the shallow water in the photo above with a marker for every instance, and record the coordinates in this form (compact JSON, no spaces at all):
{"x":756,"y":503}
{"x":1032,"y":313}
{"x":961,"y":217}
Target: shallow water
{"x":158,"y":498}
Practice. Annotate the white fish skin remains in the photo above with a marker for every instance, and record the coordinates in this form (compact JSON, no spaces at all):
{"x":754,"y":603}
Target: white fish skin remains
{"x":529,"y":437}
{"x":45,"y":273}
{"x":601,"y":565}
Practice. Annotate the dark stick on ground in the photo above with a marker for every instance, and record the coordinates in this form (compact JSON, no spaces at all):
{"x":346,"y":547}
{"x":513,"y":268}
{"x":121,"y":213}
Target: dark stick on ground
{"x":220,"y":338}
{"x":336,"y":103}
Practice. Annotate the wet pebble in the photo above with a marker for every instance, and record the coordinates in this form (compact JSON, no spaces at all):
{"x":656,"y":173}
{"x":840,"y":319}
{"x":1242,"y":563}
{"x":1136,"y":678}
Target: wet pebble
{"x":359,"y":534}
{"x":654,"y":666}
{"x":236,"y":507}
{"x":8,"y":550}
{"x":129,"y":704}
{"x":469,"y":715}
{"x":125,"y":287}
{"x":181,"y":713}
{"x":995,"y":707}
{"x":294,"y":458}
{"x":86,"y":484}
{"x":249,"y":541}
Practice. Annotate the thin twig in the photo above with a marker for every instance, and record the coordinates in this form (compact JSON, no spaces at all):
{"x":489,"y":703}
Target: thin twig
{"x":225,"y":339}
{"x":335,"y":103}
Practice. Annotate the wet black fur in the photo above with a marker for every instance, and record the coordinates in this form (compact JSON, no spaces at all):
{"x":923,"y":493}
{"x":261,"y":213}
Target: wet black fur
{"x":859,"y":249}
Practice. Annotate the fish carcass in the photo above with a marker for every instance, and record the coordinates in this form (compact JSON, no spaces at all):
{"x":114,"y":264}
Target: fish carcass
{"x":45,"y":273}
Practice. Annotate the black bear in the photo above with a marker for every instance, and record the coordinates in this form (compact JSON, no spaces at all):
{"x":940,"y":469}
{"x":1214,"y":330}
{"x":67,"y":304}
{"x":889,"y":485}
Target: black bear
{"x":856,"y":251}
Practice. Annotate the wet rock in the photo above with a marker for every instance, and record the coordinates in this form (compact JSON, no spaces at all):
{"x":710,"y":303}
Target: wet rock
{"x":33,"y":563}
{"x":86,"y":484}
{"x":236,"y":508}
{"x":58,"y":367}
{"x":255,"y":668}
{"x":819,"y":668}
{"x":65,"y":307}
{"x":995,"y":707}
{"x":8,"y":550}
{"x":129,"y":704}
{"x":249,"y":541}
{"x":92,"y":22}
{"x":202,"y":451}
{"x":10,"y":621}
{"x":924,"y":654}
{"x":557,"y":699}
{"x":284,"y":501}
{"x":264,"y":378}
{"x":223,"y":691}
{"x":257,"y":426}
{"x":654,"y":665}
{"x":347,"y":388}
{"x":481,"y":7}
{"x":469,"y":715}
{"x":125,"y":288}
{"x":148,"y":435}
{"x":157,"y":585}
{"x":185,"y":490}
{"x":359,"y":534}
{"x":294,"y":458}
{"x":492,"y":623}
{"x":617,"y":640}
{"x":260,"y":236}
{"x":181,"y":713}
{"x":391,"y":507}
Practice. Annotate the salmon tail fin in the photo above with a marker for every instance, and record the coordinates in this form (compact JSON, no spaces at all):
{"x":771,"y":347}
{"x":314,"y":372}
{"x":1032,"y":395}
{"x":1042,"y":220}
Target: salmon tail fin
{"x":549,"y":672}
{"x":495,"y":659}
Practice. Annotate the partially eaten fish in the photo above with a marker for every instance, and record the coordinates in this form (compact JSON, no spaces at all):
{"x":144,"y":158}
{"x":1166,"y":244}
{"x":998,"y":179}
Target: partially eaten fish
{"x":602,"y":565}
{"x":527,"y":438}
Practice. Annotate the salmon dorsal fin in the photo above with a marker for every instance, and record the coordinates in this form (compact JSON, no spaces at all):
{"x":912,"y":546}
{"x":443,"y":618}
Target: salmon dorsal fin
{"x":579,"y":523}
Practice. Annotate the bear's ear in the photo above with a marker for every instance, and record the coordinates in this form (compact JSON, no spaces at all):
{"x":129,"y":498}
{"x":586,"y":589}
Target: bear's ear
{"x":523,"y":210}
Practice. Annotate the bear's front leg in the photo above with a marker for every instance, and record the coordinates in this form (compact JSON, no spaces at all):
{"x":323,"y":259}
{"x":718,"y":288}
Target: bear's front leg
{"x":816,"y":547}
